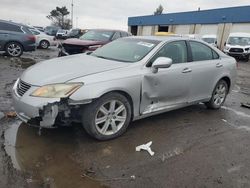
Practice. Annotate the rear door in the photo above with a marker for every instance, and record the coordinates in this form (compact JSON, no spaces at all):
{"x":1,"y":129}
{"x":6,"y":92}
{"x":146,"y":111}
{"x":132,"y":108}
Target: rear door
{"x":4,"y":34}
{"x":168,"y":87}
{"x":206,"y":67}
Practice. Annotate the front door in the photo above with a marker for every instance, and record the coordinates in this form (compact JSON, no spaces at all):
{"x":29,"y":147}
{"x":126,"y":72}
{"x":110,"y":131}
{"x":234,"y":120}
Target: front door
{"x":168,"y":87}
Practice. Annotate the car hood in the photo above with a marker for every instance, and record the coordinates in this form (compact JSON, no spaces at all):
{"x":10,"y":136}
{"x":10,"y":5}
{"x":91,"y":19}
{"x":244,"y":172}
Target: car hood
{"x":60,"y":70}
{"x":80,"y":42}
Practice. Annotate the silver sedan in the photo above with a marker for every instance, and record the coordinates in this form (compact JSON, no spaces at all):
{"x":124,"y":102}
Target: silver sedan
{"x":126,"y":80}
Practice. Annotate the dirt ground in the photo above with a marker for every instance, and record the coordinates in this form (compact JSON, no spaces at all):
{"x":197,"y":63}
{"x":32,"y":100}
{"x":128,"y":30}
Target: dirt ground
{"x":194,"y":146}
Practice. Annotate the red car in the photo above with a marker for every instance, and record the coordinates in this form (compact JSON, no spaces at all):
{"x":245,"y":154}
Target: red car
{"x":90,"y":41}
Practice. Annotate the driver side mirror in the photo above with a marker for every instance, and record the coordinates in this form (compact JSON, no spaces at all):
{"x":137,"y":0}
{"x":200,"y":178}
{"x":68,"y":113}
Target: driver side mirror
{"x":161,"y":62}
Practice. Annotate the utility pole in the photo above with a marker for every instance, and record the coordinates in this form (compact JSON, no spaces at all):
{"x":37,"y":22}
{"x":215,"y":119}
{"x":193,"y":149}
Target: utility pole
{"x":72,"y":7}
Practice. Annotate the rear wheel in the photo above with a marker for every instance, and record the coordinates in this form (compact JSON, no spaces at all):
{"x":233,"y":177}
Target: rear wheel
{"x":44,"y":44}
{"x":107,"y":117}
{"x":14,"y":49}
{"x":219,"y":95}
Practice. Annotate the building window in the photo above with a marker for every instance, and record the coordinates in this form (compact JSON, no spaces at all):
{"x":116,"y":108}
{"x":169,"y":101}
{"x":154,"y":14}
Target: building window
{"x":163,"y":28}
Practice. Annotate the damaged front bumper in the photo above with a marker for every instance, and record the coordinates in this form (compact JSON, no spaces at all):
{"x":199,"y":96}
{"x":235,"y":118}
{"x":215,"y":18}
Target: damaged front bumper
{"x":44,"y":112}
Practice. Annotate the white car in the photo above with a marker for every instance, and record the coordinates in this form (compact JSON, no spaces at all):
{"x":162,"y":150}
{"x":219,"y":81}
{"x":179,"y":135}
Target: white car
{"x":210,"y":39}
{"x":238,"y":45}
{"x":62,"y":34}
{"x":43,"y":40}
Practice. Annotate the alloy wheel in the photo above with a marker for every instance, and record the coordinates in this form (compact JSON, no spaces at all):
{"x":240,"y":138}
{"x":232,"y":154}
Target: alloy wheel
{"x":220,"y":94}
{"x":14,"y":50}
{"x":110,"y":117}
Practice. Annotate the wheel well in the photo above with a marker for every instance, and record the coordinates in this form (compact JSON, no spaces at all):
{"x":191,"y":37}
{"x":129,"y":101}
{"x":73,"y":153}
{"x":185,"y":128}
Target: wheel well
{"x":44,"y":40}
{"x":228,"y":81}
{"x":15,"y":42}
{"x":125,"y":94}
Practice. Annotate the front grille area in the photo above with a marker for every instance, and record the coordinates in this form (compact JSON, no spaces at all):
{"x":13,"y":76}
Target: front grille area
{"x":22,"y":88}
{"x":239,"y":50}
{"x":74,"y":49}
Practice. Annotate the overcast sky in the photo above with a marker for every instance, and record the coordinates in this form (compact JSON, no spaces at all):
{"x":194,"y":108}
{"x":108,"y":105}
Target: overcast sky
{"x":102,"y":13}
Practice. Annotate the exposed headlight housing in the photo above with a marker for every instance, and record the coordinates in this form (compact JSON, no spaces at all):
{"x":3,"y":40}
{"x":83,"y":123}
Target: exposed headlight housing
{"x":56,"y":90}
{"x":246,"y":49}
{"x":94,"y":47}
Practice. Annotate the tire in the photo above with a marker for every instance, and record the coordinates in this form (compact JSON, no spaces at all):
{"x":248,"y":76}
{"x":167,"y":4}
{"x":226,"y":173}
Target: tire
{"x":219,"y":95}
{"x":14,"y":49}
{"x":101,"y":122}
{"x":246,"y":59}
{"x":44,"y":44}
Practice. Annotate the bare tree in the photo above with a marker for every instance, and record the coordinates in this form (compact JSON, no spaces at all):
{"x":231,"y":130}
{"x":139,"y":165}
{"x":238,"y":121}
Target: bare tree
{"x":59,"y":17}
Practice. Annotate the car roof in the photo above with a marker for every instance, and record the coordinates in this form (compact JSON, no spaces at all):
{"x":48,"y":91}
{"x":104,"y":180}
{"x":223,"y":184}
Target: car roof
{"x":209,"y":36}
{"x":161,"y":38}
{"x":239,"y":34}
{"x":113,"y":30}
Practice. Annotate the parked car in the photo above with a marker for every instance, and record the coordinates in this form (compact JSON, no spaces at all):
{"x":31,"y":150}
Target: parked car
{"x":51,"y":30}
{"x":41,"y":29}
{"x":62,"y":34}
{"x":210,"y":39}
{"x":15,"y":38}
{"x":76,"y":33}
{"x":90,"y":41}
{"x":126,"y":80}
{"x":238,"y":45}
{"x":43,"y":40}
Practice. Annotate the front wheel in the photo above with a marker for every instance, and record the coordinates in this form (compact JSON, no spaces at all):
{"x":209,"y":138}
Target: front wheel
{"x":107,"y":117}
{"x":219,"y":95}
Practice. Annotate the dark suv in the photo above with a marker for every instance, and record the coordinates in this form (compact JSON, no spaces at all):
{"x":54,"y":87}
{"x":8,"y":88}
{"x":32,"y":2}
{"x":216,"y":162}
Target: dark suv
{"x":16,"y":38}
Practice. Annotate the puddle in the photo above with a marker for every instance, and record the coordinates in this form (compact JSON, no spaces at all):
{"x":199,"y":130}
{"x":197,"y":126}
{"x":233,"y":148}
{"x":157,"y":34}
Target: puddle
{"x":48,"y":158}
{"x":22,"y":62}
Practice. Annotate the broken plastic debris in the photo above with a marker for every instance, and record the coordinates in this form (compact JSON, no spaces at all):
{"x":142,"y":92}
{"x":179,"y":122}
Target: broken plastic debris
{"x":10,"y":114}
{"x":145,"y":147}
{"x":224,"y":120}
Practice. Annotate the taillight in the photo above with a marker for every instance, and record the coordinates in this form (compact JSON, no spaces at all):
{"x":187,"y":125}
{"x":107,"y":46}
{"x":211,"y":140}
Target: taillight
{"x":31,"y":37}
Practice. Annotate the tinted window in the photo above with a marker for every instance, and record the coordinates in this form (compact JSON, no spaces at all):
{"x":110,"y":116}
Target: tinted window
{"x":117,"y":35}
{"x":10,"y":27}
{"x":177,"y":51}
{"x":201,"y":52}
{"x":124,"y":34}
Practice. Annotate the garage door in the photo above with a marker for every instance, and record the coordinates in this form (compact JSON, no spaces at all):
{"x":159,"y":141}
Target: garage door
{"x":245,"y":28}
{"x":210,"y":29}
{"x":147,"y":30}
{"x":182,"y":29}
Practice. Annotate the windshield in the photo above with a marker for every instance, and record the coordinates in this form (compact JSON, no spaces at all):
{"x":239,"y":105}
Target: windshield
{"x":209,"y":40}
{"x":97,"y":35}
{"x":126,"y":49}
{"x":242,"y":41}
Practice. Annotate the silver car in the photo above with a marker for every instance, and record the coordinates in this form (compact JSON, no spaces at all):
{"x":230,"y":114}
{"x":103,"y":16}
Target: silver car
{"x":126,"y":80}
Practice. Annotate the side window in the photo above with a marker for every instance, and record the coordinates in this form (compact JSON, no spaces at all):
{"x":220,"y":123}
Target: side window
{"x":201,"y":52}
{"x":10,"y":27}
{"x":123,"y":34}
{"x":117,"y":35}
{"x":215,"y":55}
{"x":177,"y":51}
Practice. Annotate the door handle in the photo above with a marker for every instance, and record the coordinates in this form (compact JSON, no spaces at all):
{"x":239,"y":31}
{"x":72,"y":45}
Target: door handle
{"x":187,"y":70}
{"x":218,"y":65}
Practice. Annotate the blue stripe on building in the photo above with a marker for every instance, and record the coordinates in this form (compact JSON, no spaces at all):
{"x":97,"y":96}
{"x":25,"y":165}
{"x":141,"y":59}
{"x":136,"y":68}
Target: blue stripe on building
{"x":213,"y":16}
